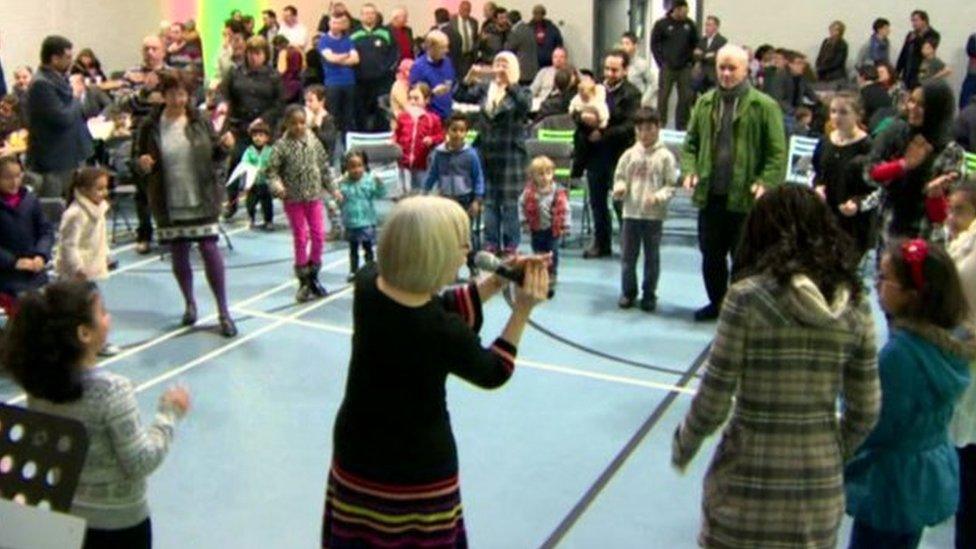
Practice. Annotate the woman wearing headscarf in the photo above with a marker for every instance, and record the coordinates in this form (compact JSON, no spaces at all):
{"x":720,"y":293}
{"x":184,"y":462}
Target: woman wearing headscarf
{"x":502,"y":119}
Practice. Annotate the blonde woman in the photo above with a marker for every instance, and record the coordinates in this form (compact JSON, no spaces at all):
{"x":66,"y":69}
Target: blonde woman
{"x":394,"y":475}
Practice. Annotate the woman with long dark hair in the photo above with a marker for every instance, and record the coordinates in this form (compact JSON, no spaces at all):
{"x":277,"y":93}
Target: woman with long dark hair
{"x":177,"y":150}
{"x":914,"y":159}
{"x":795,"y":334}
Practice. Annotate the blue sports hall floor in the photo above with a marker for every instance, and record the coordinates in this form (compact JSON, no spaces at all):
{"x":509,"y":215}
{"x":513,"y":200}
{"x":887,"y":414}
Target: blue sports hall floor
{"x":573,"y":452}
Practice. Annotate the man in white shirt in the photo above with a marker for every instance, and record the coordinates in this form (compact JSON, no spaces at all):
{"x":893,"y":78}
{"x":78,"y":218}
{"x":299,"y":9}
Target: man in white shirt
{"x":545,"y":79}
{"x":295,"y":32}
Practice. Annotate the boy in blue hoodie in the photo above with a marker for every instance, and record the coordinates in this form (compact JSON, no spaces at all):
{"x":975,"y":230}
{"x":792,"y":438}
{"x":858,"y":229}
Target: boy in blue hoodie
{"x":455,"y":169}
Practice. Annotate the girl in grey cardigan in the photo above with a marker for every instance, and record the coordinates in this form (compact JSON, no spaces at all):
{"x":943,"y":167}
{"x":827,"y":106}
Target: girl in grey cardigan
{"x":52,"y":352}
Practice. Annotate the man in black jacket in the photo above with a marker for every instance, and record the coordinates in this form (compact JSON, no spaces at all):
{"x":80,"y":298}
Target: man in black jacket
{"x":608,"y":144}
{"x":910,"y":58}
{"x":705,"y":54}
{"x":59,"y":139}
{"x":673,"y":42}
{"x":467,"y":29}
{"x":455,"y":51}
{"x":378,"y":58}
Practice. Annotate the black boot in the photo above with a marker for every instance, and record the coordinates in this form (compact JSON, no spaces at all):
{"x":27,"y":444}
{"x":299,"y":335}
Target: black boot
{"x":304,"y":292}
{"x":313,"y":280}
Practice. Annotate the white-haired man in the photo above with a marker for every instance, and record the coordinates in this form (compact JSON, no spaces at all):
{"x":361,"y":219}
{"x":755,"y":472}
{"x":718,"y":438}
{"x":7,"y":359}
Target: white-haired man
{"x":734,"y":151}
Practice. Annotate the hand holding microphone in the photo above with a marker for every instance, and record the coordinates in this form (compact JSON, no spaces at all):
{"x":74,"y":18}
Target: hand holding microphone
{"x":530,"y":273}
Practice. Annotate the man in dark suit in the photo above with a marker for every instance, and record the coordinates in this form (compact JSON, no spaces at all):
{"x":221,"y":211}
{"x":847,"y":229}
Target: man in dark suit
{"x":442,"y":22}
{"x":910,"y":58}
{"x":705,"y":54}
{"x":521,"y":42}
{"x":467,"y":28}
{"x":623,"y":100}
{"x":59,"y":139}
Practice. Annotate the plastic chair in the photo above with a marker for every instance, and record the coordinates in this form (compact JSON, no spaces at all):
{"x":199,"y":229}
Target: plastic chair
{"x":41,"y":457}
{"x":799,"y":168}
{"x":969,"y":164}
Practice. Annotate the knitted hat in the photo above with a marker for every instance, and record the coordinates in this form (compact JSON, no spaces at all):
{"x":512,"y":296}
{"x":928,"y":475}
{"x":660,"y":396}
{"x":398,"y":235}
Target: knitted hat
{"x":259,"y":127}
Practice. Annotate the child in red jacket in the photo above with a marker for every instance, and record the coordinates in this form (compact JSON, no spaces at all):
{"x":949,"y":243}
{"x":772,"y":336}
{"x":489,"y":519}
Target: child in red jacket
{"x":545,"y":211}
{"x":417,"y":131}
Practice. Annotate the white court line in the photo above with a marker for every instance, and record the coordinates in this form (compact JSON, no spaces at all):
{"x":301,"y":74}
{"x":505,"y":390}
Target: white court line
{"x":240,"y":341}
{"x":184,"y":329}
{"x":521,"y":362}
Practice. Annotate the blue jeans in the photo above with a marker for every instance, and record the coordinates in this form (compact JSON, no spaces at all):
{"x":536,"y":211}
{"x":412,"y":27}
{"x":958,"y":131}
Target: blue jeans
{"x":544,"y":242}
{"x":502,"y":228}
{"x":863,"y":536}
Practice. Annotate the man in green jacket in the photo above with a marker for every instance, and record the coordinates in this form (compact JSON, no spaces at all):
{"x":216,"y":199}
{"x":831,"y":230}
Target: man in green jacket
{"x":734,"y":151}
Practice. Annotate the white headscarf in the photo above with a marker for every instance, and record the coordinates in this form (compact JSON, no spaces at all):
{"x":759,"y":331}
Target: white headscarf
{"x":496,"y":93}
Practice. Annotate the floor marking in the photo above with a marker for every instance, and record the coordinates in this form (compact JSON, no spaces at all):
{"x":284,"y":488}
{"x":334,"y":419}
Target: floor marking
{"x":618,"y":461}
{"x":240,"y":341}
{"x":532,"y":364}
{"x":184,"y":329}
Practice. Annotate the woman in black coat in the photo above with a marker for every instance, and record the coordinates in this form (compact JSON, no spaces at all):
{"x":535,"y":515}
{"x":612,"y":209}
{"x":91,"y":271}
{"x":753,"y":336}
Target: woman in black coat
{"x":177,"y":150}
{"x":832,"y":59}
{"x":254,"y":92}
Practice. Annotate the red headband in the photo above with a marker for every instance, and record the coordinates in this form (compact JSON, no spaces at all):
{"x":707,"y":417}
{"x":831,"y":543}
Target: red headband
{"x":914,"y":253}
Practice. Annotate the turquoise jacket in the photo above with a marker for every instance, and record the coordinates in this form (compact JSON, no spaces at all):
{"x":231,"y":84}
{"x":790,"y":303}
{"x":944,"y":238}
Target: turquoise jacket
{"x":906,"y":474}
{"x":357,"y":201}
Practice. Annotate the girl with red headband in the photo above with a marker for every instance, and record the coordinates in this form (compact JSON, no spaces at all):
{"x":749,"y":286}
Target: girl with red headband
{"x":906,"y":474}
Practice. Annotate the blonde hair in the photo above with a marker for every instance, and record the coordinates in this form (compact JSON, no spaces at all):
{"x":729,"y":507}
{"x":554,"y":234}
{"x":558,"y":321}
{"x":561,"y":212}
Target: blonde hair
{"x":540,"y":164}
{"x":421,"y":244}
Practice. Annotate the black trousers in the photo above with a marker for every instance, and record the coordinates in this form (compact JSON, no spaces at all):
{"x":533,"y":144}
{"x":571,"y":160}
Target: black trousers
{"x":341,"y":102}
{"x":966,"y":514}
{"x":134,"y":537}
{"x":260,"y":194}
{"x":686,"y":96}
{"x":599,"y":175}
{"x":144,"y":231}
{"x":719,"y":232}
{"x":369,"y":117}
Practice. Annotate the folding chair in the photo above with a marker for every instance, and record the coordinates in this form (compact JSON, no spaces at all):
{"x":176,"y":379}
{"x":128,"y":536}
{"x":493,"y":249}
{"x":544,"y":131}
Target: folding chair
{"x":799,"y":168}
{"x":969,"y":165}
{"x":381,"y":151}
{"x":41,"y":457}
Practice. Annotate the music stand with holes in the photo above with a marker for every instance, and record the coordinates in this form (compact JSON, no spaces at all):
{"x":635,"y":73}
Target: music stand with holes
{"x":41,"y":456}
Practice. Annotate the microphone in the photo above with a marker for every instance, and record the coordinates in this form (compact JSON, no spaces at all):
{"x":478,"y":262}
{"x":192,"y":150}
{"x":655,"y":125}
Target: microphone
{"x":486,"y":261}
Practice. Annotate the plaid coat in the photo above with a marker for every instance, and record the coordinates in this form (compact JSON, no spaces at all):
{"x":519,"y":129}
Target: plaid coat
{"x":501,"y":141}
{"x":776,"y":477}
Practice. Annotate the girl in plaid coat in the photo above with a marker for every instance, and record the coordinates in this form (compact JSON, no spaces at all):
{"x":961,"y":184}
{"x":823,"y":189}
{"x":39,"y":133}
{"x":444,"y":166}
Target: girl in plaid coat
{"x":505,"y":108}
{"x":795,"y":333}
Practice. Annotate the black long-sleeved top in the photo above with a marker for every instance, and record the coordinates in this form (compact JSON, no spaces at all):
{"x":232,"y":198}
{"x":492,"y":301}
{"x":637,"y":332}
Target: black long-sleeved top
{"x":252,"y":94}
{"x":832,"y":60}
{"x":393,"y":425}
{"x":673,"y":42}
{"x":910,"y":58}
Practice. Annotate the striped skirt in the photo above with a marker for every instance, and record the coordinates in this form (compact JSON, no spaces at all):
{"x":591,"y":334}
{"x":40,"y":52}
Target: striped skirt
{"x":363,"y":513}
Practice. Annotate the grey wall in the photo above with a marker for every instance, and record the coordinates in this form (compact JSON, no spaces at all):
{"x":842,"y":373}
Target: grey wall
{"x":112,"y":28}
{"x":802,"y":25}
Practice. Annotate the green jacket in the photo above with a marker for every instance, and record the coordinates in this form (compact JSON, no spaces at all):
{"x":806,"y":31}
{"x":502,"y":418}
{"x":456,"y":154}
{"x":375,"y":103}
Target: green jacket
{"x":759,"y":147}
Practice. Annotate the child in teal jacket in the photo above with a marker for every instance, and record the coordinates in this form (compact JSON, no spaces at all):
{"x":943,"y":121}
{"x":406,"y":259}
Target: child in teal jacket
{"x":906,"y":474}
{"x":357,"y":190}
{"x":257,"y":156}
